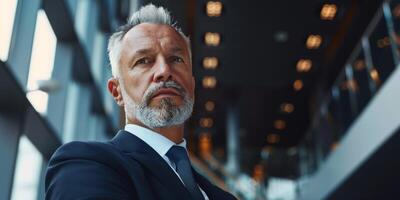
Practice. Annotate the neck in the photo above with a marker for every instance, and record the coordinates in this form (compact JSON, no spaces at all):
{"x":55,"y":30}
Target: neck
{"x":173,"y":133}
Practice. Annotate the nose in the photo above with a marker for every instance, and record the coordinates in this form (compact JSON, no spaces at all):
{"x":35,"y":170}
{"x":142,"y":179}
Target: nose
{"x":162,"y":70}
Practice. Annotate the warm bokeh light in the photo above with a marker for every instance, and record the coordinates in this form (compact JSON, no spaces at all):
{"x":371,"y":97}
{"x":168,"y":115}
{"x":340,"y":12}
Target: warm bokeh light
{"x":287,"y":107}
{"x":268,"y":149}
{"x":359,"y":64}
{"x":328,"y":11}
{"x":273,"y":138}
{"x":212,"y":39}
{"x":396,"y":11}
{"x":210,"y":62}
{"x":205,"y":145}
{"x":258,"y":173}
{"x":313,"y":41}
{"x":206,"y":122}
{"x":334,"y":146}
{"x":42,"y":60}
{"x":375,"y":76}
{"x":214,"y":8}
{"x":209,"y":106}
{"x":279,"y":124}
{"x":298,"y":85}
{"x":384,"y":42}
{"x":7,"y":15}
{"x":304,"y":65}
{"x":209,"y":82}
{"x":350,"y":85}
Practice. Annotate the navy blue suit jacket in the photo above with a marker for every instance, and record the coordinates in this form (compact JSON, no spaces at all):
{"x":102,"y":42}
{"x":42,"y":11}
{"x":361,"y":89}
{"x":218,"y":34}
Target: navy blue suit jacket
{"x":123,"y":168}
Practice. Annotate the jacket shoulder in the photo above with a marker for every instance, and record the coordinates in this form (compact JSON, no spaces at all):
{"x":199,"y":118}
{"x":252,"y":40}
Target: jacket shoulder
{"x":88,"y":169}
{"x":85,"y":150}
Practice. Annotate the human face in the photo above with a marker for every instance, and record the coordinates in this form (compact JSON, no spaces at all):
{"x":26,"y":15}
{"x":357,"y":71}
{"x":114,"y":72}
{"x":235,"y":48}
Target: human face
{"x":151,"y":54}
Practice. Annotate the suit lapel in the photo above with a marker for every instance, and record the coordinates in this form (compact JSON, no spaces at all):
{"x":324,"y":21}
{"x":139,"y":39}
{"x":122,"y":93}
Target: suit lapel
{"x":205,"y":185}
{"x":151,"y":160}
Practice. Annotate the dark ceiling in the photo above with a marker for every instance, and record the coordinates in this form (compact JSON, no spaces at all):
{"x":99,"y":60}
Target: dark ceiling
{"x":257,"y":70}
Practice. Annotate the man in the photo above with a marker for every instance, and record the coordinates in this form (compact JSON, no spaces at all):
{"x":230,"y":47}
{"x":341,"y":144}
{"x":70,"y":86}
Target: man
{"x":152,"y":80}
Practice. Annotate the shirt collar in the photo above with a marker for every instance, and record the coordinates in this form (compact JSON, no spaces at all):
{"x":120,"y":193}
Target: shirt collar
{"x":158,"y":142}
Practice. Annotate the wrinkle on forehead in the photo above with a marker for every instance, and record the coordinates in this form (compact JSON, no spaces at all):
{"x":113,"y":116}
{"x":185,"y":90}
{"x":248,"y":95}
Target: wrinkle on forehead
{"x":154,"y":37}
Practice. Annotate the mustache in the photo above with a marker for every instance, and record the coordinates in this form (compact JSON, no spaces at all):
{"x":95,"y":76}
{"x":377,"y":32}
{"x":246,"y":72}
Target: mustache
{"x":163,"y":85}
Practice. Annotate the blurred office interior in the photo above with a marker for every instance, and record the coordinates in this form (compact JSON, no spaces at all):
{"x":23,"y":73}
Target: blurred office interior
{"x":294,"y":99}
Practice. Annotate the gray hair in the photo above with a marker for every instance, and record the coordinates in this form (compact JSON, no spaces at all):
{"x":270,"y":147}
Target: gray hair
{"x":146,"y":14}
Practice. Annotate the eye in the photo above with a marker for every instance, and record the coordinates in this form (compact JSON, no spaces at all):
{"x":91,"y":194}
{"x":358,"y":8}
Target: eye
{"x":177,"y":59}
{"x":143,"y":61}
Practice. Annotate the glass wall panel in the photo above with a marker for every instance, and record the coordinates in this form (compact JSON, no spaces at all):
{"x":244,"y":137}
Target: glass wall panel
{"x":372,"y":62}
{"x":28,"y":166}
{"x":381,"y":53}
{"x":41,"y":65}
{"x":7,"y":14}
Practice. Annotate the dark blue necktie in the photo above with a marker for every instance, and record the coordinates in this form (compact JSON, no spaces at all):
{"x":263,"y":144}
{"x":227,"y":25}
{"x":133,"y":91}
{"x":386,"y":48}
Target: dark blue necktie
{"x":178,"y":155}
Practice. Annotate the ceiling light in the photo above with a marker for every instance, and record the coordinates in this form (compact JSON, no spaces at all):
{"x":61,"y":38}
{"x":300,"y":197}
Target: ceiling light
{"x":279,"y":124}
{"x":210,"y":62}
{"x":374,"y":75}
{"x":212,"y":39}
{"x":214,"y":8}
{"x":313,"y":41}
{"x":304,"y":65}
{"x":273,"y":138}
{"x":287,"y":107}
{"x":210,"y":105}
{"x":298,"y":85}
{"x":209,"y":82}
{"x":328,"y":11}
{"x":206,"y":122}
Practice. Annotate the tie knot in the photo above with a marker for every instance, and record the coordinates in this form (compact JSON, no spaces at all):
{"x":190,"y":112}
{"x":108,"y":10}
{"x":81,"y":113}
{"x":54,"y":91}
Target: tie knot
{"x":177,"y":153}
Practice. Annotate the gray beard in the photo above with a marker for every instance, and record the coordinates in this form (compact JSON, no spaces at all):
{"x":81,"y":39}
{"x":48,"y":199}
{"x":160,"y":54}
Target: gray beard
{"x":167,"y":114}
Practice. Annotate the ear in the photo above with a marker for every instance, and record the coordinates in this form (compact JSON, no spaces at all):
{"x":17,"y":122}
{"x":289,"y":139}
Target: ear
{"x":115,"y":90}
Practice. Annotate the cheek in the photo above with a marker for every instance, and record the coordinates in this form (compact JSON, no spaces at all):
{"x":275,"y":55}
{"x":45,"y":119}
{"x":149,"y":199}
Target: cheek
{"x":186,"y":80}
{"x":190,"y":84}
{"x":189,"y":87}
{"x":133,"y":88}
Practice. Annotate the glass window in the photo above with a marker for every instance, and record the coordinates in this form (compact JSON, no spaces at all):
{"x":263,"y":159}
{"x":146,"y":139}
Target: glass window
{"x":42,"y":60}
{"x":82,"y":18}
{"x":395,"y":8}
{"x":27,"y":171}
{"x":7,"y":14}
{"x":362,"y":82}
{"x":381,"y":53}
{"x":98,"y":56}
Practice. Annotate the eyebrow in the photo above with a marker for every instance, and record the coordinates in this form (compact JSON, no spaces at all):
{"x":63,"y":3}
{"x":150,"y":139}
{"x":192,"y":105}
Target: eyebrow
{"x":139,"y":53}
{"x":177,"y":50}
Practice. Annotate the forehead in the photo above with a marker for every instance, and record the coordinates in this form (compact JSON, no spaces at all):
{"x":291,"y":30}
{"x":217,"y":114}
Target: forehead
{"x":145,"y":35}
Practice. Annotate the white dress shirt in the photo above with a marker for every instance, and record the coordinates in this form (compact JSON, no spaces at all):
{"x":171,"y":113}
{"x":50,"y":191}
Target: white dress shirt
{"x":159,"y":143}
